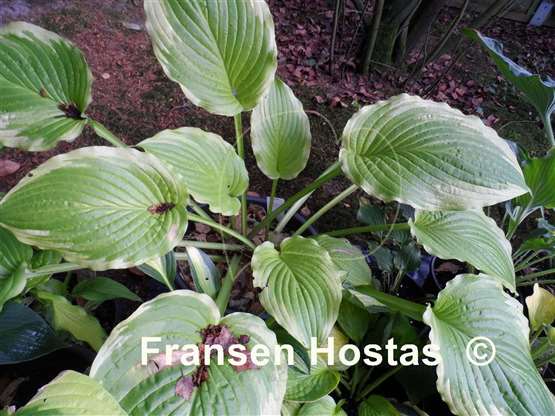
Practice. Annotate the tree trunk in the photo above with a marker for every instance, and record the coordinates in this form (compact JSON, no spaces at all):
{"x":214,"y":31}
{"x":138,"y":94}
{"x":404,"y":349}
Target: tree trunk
{"x":425,"y":16}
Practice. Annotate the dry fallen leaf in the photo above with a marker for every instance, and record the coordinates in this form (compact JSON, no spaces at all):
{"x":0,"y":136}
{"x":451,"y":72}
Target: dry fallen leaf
{"x":7,"y":167}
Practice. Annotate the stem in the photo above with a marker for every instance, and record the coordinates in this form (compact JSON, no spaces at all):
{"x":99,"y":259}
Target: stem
{"x":376,"y":20}
{"x":53,"y":269}
{"x":67,"y":280}
{"x":241,"y":152}
{"x":368,"y":229}
{"x":211,"y":246}
{"x":379,"y":381}
{"x":333,"y":171}
{"x":180,"y":256}
{"x":325,"y":209}
{"x":334,"y":35}
{"x":273,"y":195}
{"x":526,"y":280}
{"x":546,"y":119}
{"x":106,"y":134}
{"x":411,"y":309}
{"x":222,"y":228}
{"x":531,"y":263}
{"x":197,"y":208}
{"x":291,"y":213}
{"x":227,"y":284}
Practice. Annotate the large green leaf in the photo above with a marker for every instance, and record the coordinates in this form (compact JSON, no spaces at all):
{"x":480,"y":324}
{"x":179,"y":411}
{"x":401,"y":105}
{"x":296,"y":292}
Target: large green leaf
{"x":323,"y":407}
{"x":73,"y":319}
{"x":468,"y":236}
{"x":222,"y":53}
{"x":540,"y":93}
{"x":539,"y":174}
{"x":72,"y":394}
{"x":348,"y":259}
{"x":100,"y":289}
{"x":162,"y":269}
{"x":428,"y":155}
{"x":181,"y":317}
{"x":280,"y":133}
{"x":476,"y":306}
{"x":45,"y":86}
{"x":100,"y":207}
{"x":301,"y":287}
{"x":309,"y":384}
{"x":12,"y":253}
{"x":209,"y":166}
{"x":12,"y":285}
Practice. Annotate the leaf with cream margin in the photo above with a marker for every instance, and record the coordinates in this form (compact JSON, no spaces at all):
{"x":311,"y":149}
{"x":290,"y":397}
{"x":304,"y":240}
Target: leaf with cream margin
{"x":347,"y":258}
{"x":101,"y":207}
{"x":473,"y":306}
{"x":467,"y":236}
{"x":223,"y":54}
{"x":45,"y":87}
{"x":428,"y":155}
{"x":12,"y":253}
{"x":301,"y":287}
{"x":211,"y":169}
{"x":72,"y":393}
{"x":181,"y":317}
{"x":280,"y":133}
{"x":541,"y":307}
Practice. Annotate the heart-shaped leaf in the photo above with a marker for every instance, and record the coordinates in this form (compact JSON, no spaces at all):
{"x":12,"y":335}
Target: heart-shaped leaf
{"x":45,"y":86}
{"x":222,"y":53}
{"x":309,"y":384}
{"x":72,"y":393}
{"x":185,"y":318}
{"x":377,"y":406}
{"x":301,"y":287}
{"x":348,"y":259}
{"x":467,"y":236}
{"x":100,"y":207}
{"x":540,"y":93}
{"x":280,"y":133}
{"x":25,"y":335}
{"x":470,"y":315}
{"x":325,"y":406}
{"x":428,"y":155}
{"x":209,"y":166}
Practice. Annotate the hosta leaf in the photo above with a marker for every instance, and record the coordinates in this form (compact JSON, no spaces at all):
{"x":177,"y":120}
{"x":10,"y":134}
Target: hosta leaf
{"x":12,"y":285}
{"x":476,"y":306}
{"x":377,"y":406}
{"x":72,"y":394}
{"x":12,"y":253}
{"x":308,"y":385}
{"x":541,"y":307}
{"x":162,"y":269}
{"x":206,"y":275}
{"x":42,"y":258}
{"x":209,"y":166}
{"x":467,"y":236}
{"x":280,"y":133}
{"x":540,"y":93}
{"x":179,"y":317}
{"x":290,"y":408}
{"x":301,"y":287}
{"x":222,"y":53}
{"x":100,"y":207}
{"x":348,"y":259}
{"x":539,"y":174}
{"x":73,"y":319}
{"x":353,"y":319}
{"x":100,"y":289}
{"x":324,"y":407}
{"x":428,"y":155}
{"x":25,"y":335}
{"x":45,"y":86}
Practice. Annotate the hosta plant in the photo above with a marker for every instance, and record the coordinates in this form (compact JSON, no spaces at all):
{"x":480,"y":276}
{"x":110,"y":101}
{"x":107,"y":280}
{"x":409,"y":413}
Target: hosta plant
{"x":118,"y":207}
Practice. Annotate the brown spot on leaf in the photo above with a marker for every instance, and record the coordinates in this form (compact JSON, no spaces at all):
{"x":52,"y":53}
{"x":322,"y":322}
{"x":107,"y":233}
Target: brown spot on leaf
{"x":161,"y":208}
{"x":43,"y":93}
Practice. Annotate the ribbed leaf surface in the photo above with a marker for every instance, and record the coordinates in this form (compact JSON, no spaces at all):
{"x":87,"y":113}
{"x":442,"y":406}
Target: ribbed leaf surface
{"x":280,"y":133}
{"x":209,"y":166}
{"x":428,"y":155}
{"x":100,"y":207}
{"x":222,"y":53}
{"x":310,"y":384}
{"x":326,"y":406}
{"x":72,"y":394}
{"x":540,"y":178}
{"x":301,"y":287}
{"x":178,"y":318}
{"x":468,"y":236}
{"x":45,"y":87}
{"x":12,"y":253}
{"x":476,"y":306}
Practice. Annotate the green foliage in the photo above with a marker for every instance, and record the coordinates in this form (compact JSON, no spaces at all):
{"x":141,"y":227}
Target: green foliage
{"x":101,"y":289}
